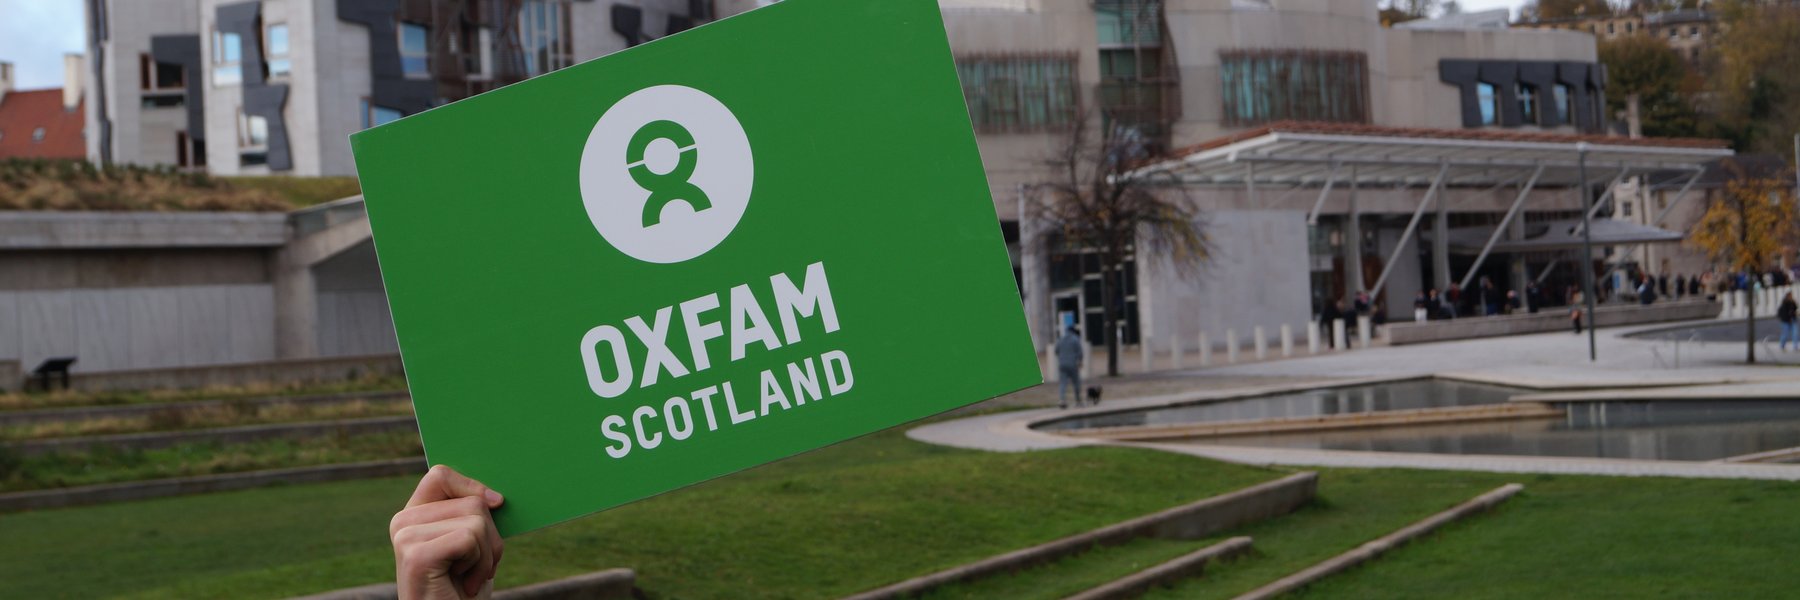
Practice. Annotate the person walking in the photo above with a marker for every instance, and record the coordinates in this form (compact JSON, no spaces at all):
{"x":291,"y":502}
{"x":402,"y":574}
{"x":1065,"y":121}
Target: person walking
{"x":1068,"y":367}
{"x":1332,"y":313}
{"x":1490,"y":298}
{"x":1790,"y":329}
{"x":1575,"y":304}
{"x":1646,"y":291}
{"x":1534,"y":297}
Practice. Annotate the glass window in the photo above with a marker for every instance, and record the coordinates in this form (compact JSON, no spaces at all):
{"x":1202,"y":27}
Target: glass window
{"x":1562,"y":101}
{"x":253,"y":131}
{"x":544,"y":35}
{"x":1630,"y":27}
{"x":1018,"y":93}
{"x":37,"y":135}
{"x":1260,"y":86}
{"x":1694,"y":32}
{"x":415,"y":52}
{"x":227,"y":55}
{"x":277,"y":51}
{"x":1128,"y":22}
{"x":1528,"y":104}
{"x":1488,"y":99}
{"x":373,"y":115}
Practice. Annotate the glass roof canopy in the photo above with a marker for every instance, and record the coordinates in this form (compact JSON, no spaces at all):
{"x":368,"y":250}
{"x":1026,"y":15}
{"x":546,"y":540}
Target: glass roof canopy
{"x":1318,"y":154}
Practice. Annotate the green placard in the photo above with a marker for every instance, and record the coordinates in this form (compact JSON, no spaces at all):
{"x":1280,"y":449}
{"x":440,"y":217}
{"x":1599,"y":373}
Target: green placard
{"x":712,"y":251}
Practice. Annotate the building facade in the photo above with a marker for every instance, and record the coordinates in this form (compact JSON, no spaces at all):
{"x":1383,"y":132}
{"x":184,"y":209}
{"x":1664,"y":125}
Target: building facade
{"x":275,"y":87}
{"x":1182,"y":72}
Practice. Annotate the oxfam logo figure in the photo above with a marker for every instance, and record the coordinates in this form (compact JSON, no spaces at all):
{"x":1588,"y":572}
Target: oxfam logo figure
{"x":673,"y":185}
{"x":666,"y":174}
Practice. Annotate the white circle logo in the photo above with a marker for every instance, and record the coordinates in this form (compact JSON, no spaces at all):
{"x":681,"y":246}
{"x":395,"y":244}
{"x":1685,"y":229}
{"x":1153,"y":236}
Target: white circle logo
{"x":666,"y":174}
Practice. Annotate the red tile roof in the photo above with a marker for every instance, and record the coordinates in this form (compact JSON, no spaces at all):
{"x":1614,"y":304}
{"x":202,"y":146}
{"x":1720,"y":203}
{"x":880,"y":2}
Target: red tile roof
{"x":23,"y":112}
{"x":1478,"y":135}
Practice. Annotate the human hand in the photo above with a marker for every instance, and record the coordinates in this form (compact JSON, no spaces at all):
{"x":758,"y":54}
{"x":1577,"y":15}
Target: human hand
{"x":445,"y":543}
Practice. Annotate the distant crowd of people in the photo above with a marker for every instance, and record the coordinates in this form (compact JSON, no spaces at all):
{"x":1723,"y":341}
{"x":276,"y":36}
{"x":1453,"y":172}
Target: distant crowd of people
{"x":1488,"y":299}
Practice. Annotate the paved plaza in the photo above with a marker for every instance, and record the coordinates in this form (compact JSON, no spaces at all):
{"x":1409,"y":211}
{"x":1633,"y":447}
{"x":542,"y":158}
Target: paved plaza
{"x":1627,"y":368}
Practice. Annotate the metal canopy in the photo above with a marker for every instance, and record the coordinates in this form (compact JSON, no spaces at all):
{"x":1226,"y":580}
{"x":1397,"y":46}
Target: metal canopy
{"x":1314,"y":154}
{"x":1556,"y":235}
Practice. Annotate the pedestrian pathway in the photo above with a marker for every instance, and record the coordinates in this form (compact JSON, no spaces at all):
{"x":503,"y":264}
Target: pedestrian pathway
{"x":1544,"y":361}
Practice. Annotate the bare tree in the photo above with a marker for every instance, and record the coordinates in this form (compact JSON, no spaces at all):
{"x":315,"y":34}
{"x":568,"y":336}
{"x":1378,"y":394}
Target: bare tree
{"x":1096,"y":208}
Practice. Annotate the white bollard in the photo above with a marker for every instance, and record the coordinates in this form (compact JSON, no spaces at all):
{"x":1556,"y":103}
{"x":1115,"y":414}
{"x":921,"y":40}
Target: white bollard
{"x":1364,"y":330}
{"x":1205,"y":351}
{"x":1175,"y":351}
{"x":1052,"y":374}
{"x":1087,"y":360}
{"x":1231,"y":346}
{"x":1312,"y":337}
{"x":1724,"y":306}
{"x":1337,"y":334}
{"x":1262,"y":344}
{"x":1145,"y":350}
{"x":1287,"y":340}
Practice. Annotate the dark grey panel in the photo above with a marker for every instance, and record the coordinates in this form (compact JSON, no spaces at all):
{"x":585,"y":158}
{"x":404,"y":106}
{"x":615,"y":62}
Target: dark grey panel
{"x":184,"y":50}
{"x":628,"y":22}
{"x":1586,"y":81}
{"x":1504,"y":76}
{"x":267,"y":102}
{"x":260,"y":98}
{"x":389,"y":86}
{"x":1464,"y":74}
{"x":245,"y":19}
{"x":1542,"y":75}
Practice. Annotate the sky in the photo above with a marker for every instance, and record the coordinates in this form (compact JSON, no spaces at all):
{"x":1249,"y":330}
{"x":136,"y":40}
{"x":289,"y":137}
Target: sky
{"x":34,"y":34}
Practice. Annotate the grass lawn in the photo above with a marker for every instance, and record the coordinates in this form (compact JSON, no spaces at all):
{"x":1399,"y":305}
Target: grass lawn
{"x":301,"y":192}
{"x":185,"y":417}
{"x":857,"y":515}
{"x":883,"y":508}
{"x":65,"y":399}
{"x":1592,"y":538}
{"x":110,"y":465}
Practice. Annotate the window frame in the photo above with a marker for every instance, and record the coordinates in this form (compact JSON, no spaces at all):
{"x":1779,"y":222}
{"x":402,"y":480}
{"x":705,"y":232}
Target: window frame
{"x":221,"y":64}
{"x":1263,"y":85}
{"x":370,"y":111}
{"x":271,"y":58}
{"x":1487,"y":102}
{"x":1020,"y":92}
{"x":545,"y":36}
{"x":1563,"y":96}
{"x":424,"y":55}
{"x":1530,"y":104}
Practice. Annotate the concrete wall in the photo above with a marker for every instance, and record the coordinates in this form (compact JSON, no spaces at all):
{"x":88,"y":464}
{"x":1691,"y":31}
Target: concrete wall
{"x":1199,"y":29}
{"x":139,"y":328}
{"x":353,"y":315}
{"x":337,"y":62}
{"x":238,"y":374}
{"x":1550,"y":320}
{"x":1417,"y":97}
{"x":1256,"y":276}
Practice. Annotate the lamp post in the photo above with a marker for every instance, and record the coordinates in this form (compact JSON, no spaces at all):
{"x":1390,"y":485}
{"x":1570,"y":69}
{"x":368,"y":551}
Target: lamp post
{"x":1587,"y":250}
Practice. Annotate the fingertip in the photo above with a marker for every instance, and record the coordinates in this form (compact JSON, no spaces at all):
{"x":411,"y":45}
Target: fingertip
{"x":494,"y":499}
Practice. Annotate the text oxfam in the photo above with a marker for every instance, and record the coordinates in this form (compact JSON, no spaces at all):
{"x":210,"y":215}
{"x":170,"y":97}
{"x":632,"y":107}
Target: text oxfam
{"x":744,"y":326}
